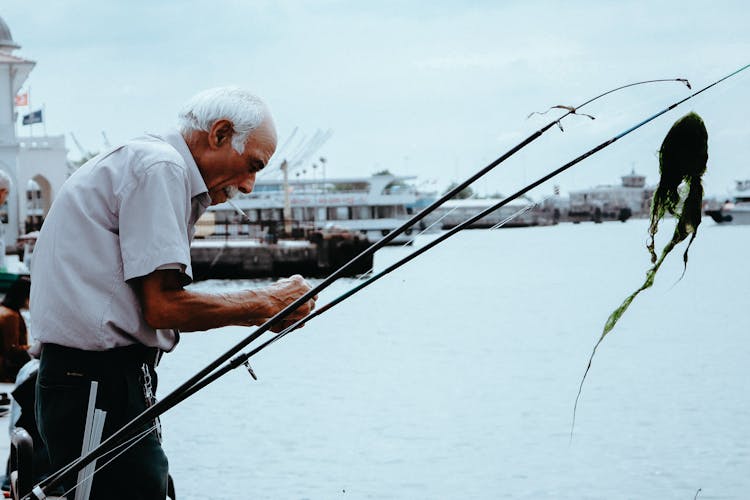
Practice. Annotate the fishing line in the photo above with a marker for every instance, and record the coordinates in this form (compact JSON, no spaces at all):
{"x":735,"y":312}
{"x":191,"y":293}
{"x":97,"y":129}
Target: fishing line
{"x":520,"y":211}
{"x":128,"y":443}
{"x":242,"y":359}
{"x":215,"y":260}
{"x":185,"y":390}
{"x":437,"y":221}
{"x":368,"y":273}
{"x":207,"y":272}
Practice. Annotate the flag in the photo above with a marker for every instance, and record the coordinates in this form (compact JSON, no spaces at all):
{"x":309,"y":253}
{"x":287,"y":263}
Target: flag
{"x":31,"y":118}
{"x":22,"y":99}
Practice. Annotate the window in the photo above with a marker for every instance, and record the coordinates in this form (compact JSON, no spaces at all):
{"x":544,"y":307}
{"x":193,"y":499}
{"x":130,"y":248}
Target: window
{"x":362,"y":212}
{"x":342,"y":213}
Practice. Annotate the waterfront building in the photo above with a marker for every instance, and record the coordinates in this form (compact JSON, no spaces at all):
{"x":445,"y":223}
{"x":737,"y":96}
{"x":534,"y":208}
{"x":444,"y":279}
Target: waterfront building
{"x":37,"y":165}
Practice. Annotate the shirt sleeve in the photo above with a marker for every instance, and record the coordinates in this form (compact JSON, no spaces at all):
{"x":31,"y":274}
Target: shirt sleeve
{"x":153,"y":221}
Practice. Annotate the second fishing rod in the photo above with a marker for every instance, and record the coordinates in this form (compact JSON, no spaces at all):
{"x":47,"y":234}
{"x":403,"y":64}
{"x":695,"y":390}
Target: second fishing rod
{"x":243,"y":359}
{"x":184,"y":390}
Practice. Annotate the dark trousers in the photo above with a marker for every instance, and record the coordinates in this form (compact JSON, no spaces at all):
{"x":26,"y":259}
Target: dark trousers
{"x":62,"y":394}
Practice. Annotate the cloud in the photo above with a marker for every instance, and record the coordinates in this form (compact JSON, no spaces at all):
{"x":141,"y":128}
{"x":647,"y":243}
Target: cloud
{"x":441,"y":83}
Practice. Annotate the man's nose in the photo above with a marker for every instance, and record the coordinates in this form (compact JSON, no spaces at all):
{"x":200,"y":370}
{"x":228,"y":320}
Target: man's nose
{"x":247,"y":185}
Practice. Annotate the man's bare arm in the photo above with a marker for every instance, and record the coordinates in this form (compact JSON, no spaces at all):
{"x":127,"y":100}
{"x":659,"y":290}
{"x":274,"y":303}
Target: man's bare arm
{"x":166,"y":304}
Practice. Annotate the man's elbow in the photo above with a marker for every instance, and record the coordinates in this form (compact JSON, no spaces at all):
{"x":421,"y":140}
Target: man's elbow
{"x":160,"y":295}
{"x":159,"y":316}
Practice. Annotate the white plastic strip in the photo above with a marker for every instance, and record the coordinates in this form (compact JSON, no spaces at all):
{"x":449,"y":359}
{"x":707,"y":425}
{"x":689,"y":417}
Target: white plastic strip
{"x":87,"y":433}
{"x":84,"y":490}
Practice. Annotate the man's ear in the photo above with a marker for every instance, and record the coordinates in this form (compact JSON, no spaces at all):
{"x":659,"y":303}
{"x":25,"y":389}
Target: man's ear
{"x":220,"y":133}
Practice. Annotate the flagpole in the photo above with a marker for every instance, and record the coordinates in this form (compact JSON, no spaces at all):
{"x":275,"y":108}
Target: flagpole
{"x":31,"y":110}
{"x":15,"y":116}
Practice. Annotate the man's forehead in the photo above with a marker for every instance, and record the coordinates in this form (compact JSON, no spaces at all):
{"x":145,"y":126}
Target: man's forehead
{"x":264,"y":138}
{"x":269,"y":127}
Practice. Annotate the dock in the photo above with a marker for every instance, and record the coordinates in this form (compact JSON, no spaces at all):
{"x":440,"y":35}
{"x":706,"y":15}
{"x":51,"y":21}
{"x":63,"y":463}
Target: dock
{"x":250,"y":258}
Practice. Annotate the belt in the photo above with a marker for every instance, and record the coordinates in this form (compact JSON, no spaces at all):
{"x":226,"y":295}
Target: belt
{"x":132,"y":356}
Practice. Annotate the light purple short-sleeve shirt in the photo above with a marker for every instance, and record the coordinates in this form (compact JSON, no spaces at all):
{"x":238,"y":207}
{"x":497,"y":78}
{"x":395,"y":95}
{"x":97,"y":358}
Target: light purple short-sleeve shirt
{"x":122,"y":215}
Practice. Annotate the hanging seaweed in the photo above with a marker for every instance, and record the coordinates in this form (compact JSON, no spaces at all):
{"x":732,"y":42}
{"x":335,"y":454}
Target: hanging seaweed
{"x":682,"y":163}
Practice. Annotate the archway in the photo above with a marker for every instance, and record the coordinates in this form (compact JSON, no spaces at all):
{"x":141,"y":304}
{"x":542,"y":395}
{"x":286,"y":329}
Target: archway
{"x":7,"y":210}
{"x":38,"y":202}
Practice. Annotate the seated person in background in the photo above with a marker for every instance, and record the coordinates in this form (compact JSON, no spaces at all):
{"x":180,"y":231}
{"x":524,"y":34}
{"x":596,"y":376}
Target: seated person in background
{"x":4,"y":192}
{"x":13,"y":348}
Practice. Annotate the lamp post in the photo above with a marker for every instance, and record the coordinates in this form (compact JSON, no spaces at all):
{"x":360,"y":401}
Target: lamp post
{"x":287,"y":212}
{"x":325,"y":201}
{"x":314,"y":190}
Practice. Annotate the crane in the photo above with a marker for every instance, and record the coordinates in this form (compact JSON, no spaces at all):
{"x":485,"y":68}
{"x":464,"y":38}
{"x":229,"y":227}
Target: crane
{"x":83,"y":152}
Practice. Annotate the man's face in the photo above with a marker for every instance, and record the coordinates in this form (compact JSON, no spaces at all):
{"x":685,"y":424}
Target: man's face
{"x":237,"y":171}
{"x":3,"y":195}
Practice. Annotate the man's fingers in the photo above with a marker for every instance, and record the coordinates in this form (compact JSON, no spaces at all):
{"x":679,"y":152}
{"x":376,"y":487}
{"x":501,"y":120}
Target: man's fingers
{"x":286,"y":291}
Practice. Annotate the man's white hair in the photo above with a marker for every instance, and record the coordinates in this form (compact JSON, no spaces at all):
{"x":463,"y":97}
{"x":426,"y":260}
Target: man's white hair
{"x":4,"y":180}
{"x":244,"y":109}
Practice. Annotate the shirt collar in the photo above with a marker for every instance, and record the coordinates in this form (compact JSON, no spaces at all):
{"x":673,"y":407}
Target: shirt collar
{"x":197,"y":184}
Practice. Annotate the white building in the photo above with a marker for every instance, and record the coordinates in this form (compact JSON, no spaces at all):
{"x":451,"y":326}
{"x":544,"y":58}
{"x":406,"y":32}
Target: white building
{"x":42,"y":160}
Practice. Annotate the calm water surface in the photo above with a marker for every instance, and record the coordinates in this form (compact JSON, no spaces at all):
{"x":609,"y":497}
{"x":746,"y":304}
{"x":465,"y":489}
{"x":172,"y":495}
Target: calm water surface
{"x":456,"y":377}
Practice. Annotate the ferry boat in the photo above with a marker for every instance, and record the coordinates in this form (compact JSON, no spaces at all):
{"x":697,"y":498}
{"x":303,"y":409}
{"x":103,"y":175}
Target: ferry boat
{"x":369,"y":206}
{"x":522,"y":213}
{"x":632,"y":198}
{"x":735,"y":209}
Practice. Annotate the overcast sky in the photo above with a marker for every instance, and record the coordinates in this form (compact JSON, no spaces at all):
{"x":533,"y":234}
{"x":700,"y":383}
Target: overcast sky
{"x":434,"y":89}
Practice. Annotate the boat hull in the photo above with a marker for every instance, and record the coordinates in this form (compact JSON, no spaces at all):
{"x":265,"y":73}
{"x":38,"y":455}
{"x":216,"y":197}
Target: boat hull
{"x":733,"y":216}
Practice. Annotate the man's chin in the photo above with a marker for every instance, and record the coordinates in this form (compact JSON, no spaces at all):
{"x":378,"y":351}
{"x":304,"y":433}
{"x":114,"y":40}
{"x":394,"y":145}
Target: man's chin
{"x":218,"y":197}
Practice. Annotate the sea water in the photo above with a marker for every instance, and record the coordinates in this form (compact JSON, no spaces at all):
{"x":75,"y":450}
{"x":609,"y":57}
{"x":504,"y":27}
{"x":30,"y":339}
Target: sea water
{"x":456,"y":376}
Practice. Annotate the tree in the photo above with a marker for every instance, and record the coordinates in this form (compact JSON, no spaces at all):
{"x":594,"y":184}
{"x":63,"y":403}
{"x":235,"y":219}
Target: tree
{"x":464,"y":194}
{"x":75,"y":165}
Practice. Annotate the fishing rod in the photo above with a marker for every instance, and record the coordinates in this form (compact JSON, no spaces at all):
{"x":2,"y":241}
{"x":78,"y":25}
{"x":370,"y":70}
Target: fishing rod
{"x":167,"y":402}
{"x":176,"y":396}
{"x":243,"y":359}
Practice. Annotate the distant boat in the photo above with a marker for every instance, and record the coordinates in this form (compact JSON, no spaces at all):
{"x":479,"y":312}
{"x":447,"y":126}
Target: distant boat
{"x":632,"y":198}
{"x":369,"y":206}
{"x":735,"y":209}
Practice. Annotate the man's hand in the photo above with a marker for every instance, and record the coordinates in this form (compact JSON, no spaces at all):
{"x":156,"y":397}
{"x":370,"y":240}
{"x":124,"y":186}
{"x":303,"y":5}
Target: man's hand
{"x":284,"y":292}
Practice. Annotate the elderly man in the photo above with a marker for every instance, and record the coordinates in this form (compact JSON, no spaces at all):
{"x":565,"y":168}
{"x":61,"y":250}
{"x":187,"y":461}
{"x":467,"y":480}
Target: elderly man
{"x":110,"y":267}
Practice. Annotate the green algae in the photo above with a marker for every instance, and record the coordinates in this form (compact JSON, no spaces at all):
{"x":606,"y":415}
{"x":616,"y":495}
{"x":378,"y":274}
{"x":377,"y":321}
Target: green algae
{"x":682,"y":162}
